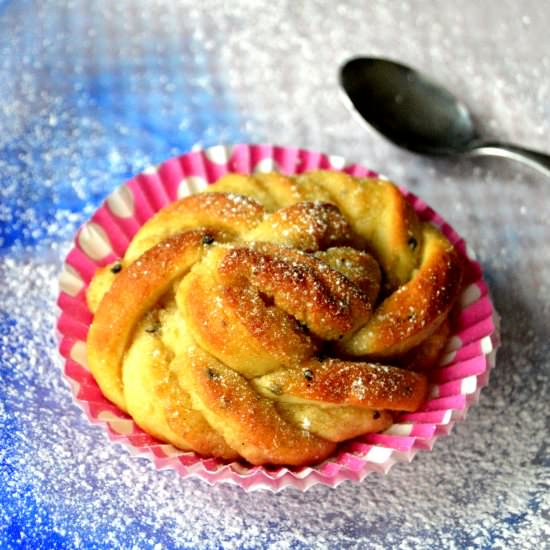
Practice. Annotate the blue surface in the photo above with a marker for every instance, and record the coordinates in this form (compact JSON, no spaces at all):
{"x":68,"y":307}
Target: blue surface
{"x":75,"y":136}
{"x":81,"y":126}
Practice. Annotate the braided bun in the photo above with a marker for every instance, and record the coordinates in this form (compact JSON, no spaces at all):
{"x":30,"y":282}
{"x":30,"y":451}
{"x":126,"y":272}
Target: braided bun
{"x":271,"y":318}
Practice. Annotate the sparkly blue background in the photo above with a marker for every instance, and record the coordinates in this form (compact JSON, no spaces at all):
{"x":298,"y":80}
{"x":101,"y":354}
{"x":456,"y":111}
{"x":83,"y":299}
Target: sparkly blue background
{"x":93,"y":92}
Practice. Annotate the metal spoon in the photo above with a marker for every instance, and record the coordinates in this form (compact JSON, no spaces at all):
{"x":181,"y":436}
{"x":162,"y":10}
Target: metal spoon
{"x":421,"y":116}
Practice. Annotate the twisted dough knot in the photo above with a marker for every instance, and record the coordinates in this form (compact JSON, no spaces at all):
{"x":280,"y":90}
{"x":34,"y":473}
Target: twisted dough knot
{"x":251,"y":320}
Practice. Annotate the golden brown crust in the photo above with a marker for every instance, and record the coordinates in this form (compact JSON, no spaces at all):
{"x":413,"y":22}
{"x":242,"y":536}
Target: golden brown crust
{"x":357,"y":266}
{"x":229,"y":214}
{"x":415,"y":310}
{"x":235,"y":325}
{"x":338,"y":382}
{"x":335,"y":423}
{"x":320,"y":298}
{"x":134,"y":292}
{"x":211,"y":329}
{"x":379,"y":214}
{"x":307,"y":226}
{"x":248,"y":422}
{"x":224,"y":299}
{"x":158,"y":404}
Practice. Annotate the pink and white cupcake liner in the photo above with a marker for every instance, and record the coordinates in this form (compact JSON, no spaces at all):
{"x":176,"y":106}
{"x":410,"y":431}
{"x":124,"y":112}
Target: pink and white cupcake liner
{"x":455,"y":385}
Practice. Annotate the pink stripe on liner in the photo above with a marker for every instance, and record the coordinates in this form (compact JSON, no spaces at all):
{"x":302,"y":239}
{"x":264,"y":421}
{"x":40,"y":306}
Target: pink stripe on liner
{"x":444,"y":429}
{"x":259,"y":153}
{"x":455,"y":387}
{"x":188,"y":459}
{"x":417,"y":202}
{"x":436,"y":219}
{"x":137,"y":439}
{"x":179,"y":468}
{"x":400,"y":443}
{"x":284,"y":481}
{"x":90,"y":393}
{"x":460,"y":246}
{"x":96,"y":400}
{"x":85,"y":378}
{"x":248,"y":471}
{"x":409,"y":429}
{"x":438,"y":417}
{"x":192,"y":164}
{"x":276,"y":473}
{"x":75,"y":307}
{"x":330,"y":468}
{"x":358,"y":446}
{"x":449,"y":232}
{"x":65,"y":346}
{"x":143,"y":210}
{"x":82,"y":264}
{"x":423,"y":445}
{"x":89,"y":389}
{"x":454,"y":402}
{"x":468,"y":351}
{"x":424,"y":212}
{"x":98,"y":407}
{"x":286,"y":159}
{"x":477,"y":331}
{"x":429,"y":215}
{"x":271,"y":472}
{"x":473,"y":366}
{"x":169,"y":193}
{"x":169,"y":175}
{"x":127,"y":226}
{"x":117,"y":237}
{"x":212,"y":464}
{"x":149,"y":193}
{"x":79,"y":374}
{"x":423,"y":431}
{"x":240,"y":160}
{"x":213,"y":170}
{"x":482,"y":285}
{"x":73,"y":328}
{"x":324,"y":163}
{"x":246,"y":482}
{"x":307,"y":161}
{"x":158,"y":451}
{"x":473,"y":270}
{"x":357,"y":171}
{"x":350,"y":462}
{"x":159,"y":195}
{"x":474,"y":313}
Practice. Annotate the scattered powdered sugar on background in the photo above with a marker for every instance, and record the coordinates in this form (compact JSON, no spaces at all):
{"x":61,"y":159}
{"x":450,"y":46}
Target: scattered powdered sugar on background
{"x":92,"y":92}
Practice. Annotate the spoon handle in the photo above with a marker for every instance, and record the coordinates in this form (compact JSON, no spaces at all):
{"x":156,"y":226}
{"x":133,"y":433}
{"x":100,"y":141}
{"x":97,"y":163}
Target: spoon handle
{"x":534,"y":159}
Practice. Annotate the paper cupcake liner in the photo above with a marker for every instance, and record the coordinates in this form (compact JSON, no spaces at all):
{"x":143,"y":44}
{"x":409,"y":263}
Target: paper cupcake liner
{"x":454,"y":386}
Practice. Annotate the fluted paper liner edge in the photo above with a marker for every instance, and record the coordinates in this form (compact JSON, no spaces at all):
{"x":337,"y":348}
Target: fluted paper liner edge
{"x":455,"y":385}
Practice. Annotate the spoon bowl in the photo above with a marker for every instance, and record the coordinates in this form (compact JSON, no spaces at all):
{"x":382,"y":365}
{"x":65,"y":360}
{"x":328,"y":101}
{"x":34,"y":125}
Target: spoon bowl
{"x":415,"y":113}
